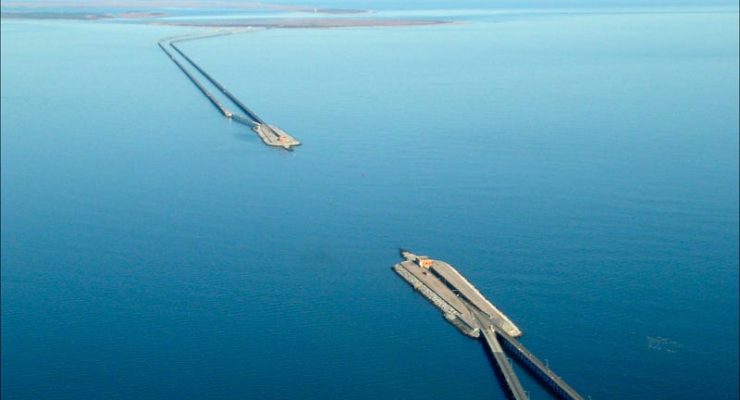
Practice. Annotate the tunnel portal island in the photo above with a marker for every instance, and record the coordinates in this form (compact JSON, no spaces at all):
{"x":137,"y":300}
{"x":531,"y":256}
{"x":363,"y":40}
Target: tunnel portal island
{"x":468,"y":310}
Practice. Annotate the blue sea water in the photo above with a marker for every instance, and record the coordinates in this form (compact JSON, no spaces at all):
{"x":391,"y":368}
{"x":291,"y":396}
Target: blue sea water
{"x":580,"y":168}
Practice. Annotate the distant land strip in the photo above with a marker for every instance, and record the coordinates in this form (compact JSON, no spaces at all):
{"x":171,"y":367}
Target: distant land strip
{"x":55,"y":15}
{"x":301,"y":23}
{"x":80,"y":15}
{"x":153,"y":18}
{"x":180,"y":4}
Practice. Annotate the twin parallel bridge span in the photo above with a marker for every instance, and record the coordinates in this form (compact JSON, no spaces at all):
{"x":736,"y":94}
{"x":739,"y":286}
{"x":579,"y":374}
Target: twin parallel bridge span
{"x":466,"y":308}
{"x":271,"y":135}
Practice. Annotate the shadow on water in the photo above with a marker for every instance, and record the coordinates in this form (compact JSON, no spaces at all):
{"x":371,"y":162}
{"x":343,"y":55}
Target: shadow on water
{"x":246,"y":136}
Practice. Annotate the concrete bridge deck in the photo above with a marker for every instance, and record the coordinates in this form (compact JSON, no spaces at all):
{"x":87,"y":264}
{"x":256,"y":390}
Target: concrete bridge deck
{"x":542,"y":371}
{"x":251,"y":114}
{"x":269,"y":134}
{"x":226,"y":112}
{"x":507,"y":371}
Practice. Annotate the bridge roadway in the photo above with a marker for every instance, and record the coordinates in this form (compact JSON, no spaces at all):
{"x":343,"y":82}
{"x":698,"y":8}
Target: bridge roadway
{"x":225,"y":111}
{"x":244,"y":120}
{"x":251,"y":114}
{"x":543,"y":372}
{"x":270,"y":135}
{"x":512,"y":381}
{"x":556,"y":383}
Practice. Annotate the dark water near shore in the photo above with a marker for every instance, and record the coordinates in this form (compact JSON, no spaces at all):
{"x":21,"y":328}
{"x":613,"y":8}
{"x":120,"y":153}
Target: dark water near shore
{"x":581,"y":170}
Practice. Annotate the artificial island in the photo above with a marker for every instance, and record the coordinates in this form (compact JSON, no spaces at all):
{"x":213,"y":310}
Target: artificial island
{"x":475,"y":316}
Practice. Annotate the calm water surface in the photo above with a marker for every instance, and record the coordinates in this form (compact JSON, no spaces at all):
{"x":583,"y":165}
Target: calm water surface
{"x":580,"y":169}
